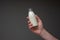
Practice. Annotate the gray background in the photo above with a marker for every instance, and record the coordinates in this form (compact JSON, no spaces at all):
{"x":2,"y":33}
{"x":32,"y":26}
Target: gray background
{"x":13,"y":22}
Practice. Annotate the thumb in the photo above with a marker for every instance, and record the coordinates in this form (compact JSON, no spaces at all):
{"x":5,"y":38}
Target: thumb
{"x":38,"y":19}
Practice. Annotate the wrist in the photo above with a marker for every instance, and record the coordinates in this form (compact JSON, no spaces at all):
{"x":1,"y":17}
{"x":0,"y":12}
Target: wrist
{"x":42,"y":31}
{"x":46,"y":35}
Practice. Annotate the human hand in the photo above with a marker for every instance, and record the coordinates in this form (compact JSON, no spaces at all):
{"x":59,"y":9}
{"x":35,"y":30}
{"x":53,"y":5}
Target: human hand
{"x":37,"y":29}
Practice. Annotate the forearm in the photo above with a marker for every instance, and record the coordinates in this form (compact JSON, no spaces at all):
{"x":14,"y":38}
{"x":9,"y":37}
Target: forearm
{"x":46,"y":35}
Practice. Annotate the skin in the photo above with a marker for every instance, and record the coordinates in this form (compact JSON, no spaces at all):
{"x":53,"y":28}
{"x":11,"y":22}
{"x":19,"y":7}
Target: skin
{"x":40,"y":30}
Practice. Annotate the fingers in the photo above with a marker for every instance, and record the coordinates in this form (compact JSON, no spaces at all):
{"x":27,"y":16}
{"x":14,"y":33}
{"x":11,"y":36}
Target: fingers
{"x":38,"y":20}
{"x":27,"y":18}
{"x":29,"y":23}
{"x":30,"y":26}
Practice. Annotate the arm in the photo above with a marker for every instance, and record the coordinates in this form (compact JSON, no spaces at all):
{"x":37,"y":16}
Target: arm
{"x":46,"y":35}
{"x":39,"y":30}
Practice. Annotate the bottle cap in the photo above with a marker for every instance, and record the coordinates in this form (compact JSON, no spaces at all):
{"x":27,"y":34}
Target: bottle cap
{"x":30,"y":9}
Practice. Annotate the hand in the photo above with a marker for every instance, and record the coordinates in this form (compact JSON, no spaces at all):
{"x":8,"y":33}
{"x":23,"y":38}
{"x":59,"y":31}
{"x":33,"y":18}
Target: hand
{"x":37,"y":29}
